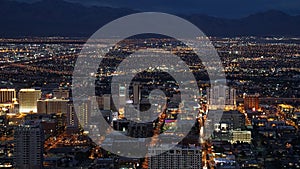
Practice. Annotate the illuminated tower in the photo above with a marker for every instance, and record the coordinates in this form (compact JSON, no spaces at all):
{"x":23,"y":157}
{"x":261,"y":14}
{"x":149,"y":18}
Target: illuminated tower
{"x":122,"y":100}
{"x":72,"y":120}
{"x":230,"y":97}
{"x":106,"y":102}
{"x":220,"y":95}
{"x":83,"y":112}
{"x":7,"y":95}
{"x":28,"y":100}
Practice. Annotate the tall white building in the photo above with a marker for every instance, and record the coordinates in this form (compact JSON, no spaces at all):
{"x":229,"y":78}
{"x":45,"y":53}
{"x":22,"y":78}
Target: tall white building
{"x":28,"y":100}
{"x":29,"y":142}
{"x":122,"y":100}
{"x":221,"y":96}
{"x":7,"y":95}
{"x":176,"y":158}
{"x":79,"y":113}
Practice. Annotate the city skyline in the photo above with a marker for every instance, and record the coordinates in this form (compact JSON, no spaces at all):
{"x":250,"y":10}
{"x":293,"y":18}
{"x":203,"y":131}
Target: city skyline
{"x":260,"y":104}
{"x":162,"y":84}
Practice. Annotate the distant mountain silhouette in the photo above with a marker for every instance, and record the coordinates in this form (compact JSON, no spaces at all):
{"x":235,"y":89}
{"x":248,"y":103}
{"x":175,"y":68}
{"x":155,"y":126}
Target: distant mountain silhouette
{"x":60,"y":18}
{"x":54,"y":18}
{"x":270,"y":23}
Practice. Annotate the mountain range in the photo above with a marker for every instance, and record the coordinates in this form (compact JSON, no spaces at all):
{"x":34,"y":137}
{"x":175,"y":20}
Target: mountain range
{"x":61,"y":18}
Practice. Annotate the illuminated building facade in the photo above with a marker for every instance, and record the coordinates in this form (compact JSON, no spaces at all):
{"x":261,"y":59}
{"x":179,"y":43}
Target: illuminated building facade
{"x":176,"y":158}
{"x":72,"y":120}
{"x":219,"y":95}
{"x":122,"y":100}
{"x":83,"y":111}
{"x":241,"y":136}
{"x":28,"y":100}
{"x":7,"y":95}
{"x":52,"y":106}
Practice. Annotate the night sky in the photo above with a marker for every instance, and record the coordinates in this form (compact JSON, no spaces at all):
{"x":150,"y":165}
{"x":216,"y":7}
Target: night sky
{"x":219,"y":8}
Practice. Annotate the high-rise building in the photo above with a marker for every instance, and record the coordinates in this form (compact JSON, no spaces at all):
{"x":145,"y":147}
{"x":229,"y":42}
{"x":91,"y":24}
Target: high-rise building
{"x":122,"y":100}
{"x":221,"y":96}
{"x":176,"y":158}
{"x":83,"y":112}
{"x":251,"y":101}
{"x":72,"y":125}
{"x":106,"y":102}
{"x":230,"y":96}
{"x":72,"y":120}
{"x":7,"y":95}
{"x":79,"y":114}
{"x":136,"y":94}
{"x":52,"y":106}
{"x":28,"y":100}
{"x":61,"y":93}
{"x":96,"y":105}
{"x":29,"y":142}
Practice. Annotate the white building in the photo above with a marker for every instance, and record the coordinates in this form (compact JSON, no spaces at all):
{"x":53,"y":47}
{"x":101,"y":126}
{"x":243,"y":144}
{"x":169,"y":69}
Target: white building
{"x":28,"y":100}
{"x":221,"y":96}
{"x":122,"y":100}
{"x":79,"y":113}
